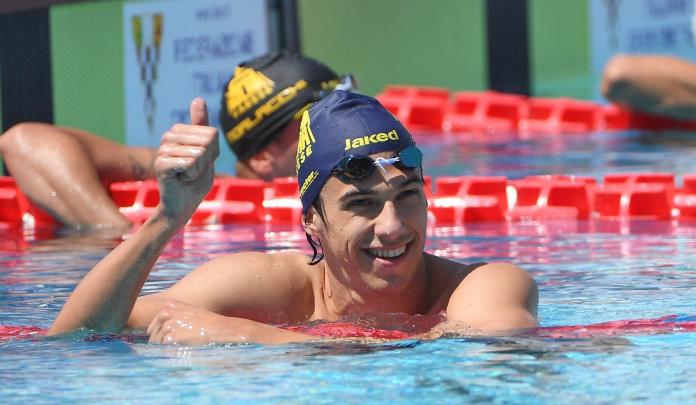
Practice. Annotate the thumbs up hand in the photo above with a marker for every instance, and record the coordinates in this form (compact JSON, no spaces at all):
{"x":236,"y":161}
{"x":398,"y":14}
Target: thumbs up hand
{"x":184,"y":164}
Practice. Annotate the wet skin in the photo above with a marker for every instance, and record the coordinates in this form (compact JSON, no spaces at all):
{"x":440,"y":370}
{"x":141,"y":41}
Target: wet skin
{"x":374,"y":230}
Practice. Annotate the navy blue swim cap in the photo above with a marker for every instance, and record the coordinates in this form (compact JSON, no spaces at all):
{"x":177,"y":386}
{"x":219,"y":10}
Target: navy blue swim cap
{"x":342,"y":124}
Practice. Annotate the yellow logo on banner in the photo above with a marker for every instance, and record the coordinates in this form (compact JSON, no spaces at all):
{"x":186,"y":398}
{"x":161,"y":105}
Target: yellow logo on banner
{"x":245,"y":90}
{"x":305,"y":141}
{"x":265,"y":110}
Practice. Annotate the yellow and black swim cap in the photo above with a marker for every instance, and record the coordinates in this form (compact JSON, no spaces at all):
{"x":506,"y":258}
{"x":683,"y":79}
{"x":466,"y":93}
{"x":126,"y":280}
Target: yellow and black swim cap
{"x":265,"y":93}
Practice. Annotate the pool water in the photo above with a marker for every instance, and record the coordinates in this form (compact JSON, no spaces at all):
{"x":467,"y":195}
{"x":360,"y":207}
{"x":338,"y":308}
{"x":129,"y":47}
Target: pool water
{"x":578,"y":154}
{"x":587,"y":271}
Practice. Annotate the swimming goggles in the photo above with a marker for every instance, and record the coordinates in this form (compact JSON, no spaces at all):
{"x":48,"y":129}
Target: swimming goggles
{"x":353,"y":167}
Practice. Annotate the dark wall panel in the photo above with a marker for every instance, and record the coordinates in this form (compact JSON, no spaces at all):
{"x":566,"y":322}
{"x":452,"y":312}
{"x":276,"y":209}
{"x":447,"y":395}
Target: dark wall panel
{"x":25,"y":67}
{"x":508,"y":48}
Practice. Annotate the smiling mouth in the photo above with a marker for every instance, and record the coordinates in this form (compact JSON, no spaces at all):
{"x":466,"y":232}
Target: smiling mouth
{"x":388,"y":254}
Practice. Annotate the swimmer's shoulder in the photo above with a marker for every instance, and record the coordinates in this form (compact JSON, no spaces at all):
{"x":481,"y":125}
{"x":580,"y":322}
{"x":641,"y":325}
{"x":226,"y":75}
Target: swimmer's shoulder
{"x":267,"y":270}
{"x":441,"y":268}
{"x":280,"y":264}
{"x":274,"y":286}
{"x":444,"y":277}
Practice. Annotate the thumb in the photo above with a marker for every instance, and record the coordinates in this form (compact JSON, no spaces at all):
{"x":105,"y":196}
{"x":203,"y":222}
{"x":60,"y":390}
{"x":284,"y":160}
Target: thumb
{"x":199,"y":112}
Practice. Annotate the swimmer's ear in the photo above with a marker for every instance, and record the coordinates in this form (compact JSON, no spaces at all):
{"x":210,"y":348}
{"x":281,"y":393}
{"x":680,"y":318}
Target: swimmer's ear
{"x":309,"y":221}
{"x":262,"y":164}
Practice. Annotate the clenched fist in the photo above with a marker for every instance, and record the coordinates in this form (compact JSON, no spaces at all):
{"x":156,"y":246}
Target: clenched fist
{"x":185,"y":164}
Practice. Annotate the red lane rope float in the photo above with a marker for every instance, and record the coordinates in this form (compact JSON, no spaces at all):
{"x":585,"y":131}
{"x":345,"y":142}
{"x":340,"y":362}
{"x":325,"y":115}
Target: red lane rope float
{"x":20,"y":332}
{"x":348,"y":330}
{"x":229,"y":200}
{"x":15,"y":207}
{"x":666,"y":324}
{"x":662,"y":325}
{"x":455,"y":200}
{"x":438,"y":110}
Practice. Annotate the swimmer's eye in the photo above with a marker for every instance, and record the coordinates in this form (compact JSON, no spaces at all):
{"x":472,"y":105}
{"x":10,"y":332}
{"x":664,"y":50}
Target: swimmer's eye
{"x":408,"y":193}
{"x":359,"y":202}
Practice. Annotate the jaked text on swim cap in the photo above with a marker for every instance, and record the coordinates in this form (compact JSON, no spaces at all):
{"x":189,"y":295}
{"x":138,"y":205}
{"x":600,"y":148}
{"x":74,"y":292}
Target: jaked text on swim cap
{"x":380,"y":137}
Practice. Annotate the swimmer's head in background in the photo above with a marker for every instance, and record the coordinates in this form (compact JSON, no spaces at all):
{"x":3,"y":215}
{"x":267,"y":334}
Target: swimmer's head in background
{"x":266,"y":93}
{"x":337,"y":135}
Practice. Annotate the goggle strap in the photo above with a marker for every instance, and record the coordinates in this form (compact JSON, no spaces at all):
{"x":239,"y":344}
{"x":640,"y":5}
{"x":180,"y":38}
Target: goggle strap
{"x":381,"y":162}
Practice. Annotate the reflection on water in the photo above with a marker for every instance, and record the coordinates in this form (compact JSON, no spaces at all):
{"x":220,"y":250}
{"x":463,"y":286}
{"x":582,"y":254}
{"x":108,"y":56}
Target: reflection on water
{"x":578,"y":154}
{"x":587,"y":272}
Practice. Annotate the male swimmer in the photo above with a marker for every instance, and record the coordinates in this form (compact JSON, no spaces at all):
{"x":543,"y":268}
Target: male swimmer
{"x":63,"y":170}
{"x":361,"y":186}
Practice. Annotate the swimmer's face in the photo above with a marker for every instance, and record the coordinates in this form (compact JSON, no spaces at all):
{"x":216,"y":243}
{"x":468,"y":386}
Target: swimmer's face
{"x":283,"y":150}
{"x":375,"y":227}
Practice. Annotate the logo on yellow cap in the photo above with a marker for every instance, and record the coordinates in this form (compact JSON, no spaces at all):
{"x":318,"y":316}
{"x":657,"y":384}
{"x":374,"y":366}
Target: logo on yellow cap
{"x":245,"y":90}
{"x":265,"y":110}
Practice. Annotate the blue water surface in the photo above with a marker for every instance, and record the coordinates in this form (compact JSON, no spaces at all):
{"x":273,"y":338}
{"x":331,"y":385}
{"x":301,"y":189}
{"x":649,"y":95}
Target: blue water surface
{"x":587,"y":271}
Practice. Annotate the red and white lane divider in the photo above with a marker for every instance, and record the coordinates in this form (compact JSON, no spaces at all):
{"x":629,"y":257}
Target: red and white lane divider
{"x":653,"y":326}
{"x":440,"y":111}
{"x":452,"y":200}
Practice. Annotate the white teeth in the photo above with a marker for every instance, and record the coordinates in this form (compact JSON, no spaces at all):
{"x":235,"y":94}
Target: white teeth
{"x":388,"y":253}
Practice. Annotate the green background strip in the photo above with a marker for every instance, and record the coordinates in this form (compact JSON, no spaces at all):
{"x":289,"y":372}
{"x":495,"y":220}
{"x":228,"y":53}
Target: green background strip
{"x":87,"y":63}
{"x":419,"y":42}
{"x":560,"y":49}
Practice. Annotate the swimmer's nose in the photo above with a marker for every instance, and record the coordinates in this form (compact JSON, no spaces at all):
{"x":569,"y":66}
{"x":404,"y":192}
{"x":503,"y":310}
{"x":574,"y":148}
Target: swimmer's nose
{"x":388,"y":224}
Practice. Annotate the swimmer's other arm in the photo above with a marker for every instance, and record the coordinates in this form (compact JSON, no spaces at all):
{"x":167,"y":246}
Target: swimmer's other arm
{"x":61,"y":170}
{"x":494,"y":298}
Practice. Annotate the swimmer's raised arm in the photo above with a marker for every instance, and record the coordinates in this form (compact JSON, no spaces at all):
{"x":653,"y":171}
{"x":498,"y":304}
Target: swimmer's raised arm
{"x":62,"y":169}
{"x":184,"y":167}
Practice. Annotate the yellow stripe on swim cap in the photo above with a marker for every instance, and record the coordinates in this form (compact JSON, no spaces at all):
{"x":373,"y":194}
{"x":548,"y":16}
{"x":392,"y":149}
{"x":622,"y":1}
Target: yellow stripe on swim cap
{"x":308,"y":181}
{"x":298,"y":115}
{"x":305,"y":141}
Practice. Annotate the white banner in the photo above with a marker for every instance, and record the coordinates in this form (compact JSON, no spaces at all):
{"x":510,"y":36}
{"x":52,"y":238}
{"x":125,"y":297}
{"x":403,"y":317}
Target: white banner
{"x":177,"y":50}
